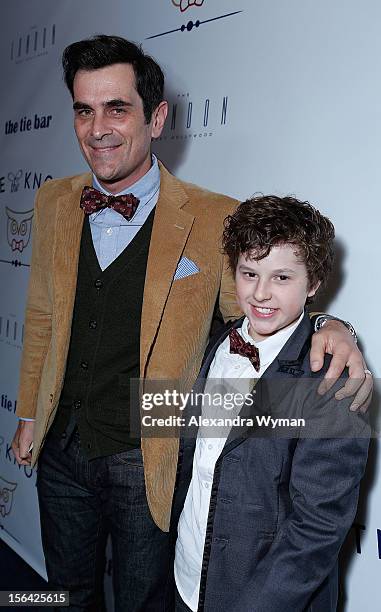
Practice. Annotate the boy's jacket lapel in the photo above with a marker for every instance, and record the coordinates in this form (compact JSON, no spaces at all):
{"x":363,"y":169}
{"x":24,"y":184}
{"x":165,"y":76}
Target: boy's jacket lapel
{"x":286,"y":367}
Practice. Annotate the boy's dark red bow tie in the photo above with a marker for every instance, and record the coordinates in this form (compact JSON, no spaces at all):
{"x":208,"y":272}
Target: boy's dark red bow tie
{"x":93,"y":200}
{"x":245,"y":349}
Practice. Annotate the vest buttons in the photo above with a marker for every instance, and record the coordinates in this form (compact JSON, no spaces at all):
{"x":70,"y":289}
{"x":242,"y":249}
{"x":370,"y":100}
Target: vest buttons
{"x":84,"y":365}
{"x":77,"y":404}
{"x":98,"y":284}
{"x":93,"y":324}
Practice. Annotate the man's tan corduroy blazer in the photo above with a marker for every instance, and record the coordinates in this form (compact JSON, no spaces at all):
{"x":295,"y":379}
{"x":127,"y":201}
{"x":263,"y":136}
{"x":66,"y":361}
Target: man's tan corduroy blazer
{"x":176,"y":314}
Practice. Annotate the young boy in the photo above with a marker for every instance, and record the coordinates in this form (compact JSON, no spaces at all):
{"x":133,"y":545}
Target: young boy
{"x":263,"y":516}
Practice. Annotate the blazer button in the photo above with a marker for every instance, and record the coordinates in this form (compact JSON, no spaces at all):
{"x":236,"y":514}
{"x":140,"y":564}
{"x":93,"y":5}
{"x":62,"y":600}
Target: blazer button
{"x":98,"y":284}
{"x":84,"y":365}
{"x":93,"y":324}
{"x":77,"y":404}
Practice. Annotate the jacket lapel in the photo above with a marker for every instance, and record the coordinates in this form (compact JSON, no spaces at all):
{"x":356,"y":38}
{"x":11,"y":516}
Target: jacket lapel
{"x":213,"y":346}
{"x":68,"y":229}
{"x":276,"y":381}
{"x":170,"y":232}
{"x":169,"y":236}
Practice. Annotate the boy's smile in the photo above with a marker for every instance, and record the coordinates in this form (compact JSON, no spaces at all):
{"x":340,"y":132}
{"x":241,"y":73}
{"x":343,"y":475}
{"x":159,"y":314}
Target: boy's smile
{"x":272,"y":292}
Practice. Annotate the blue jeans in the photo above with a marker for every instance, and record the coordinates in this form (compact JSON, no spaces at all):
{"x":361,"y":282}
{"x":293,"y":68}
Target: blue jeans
{"x":81,"y":502}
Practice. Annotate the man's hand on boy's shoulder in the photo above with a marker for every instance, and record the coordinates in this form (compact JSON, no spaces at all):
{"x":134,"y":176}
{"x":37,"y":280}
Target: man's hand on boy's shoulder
{"x":335,"y":339}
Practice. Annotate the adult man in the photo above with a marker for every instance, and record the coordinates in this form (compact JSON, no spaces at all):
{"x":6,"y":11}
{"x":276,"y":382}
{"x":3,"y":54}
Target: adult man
{"x":101,"y":314}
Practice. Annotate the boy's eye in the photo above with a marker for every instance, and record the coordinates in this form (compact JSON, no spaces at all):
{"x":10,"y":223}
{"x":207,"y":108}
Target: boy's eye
{"x":250,"y":274}
{"x":282,"y":277}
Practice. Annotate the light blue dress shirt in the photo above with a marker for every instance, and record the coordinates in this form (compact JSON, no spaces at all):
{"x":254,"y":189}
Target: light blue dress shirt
{"x":110,"y":231}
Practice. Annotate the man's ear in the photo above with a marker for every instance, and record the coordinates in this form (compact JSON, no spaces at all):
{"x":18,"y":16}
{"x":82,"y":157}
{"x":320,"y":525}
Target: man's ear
{"x":159,"y":116}
{"x":312,"y":291}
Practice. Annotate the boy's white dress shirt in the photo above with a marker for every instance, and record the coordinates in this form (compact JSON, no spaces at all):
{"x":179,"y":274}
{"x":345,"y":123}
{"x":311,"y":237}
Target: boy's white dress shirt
{"x":193,"y":518}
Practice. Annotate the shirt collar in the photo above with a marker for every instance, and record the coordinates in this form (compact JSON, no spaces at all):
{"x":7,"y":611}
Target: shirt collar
{"x":271,"y":346}
{"x":144,"y":189}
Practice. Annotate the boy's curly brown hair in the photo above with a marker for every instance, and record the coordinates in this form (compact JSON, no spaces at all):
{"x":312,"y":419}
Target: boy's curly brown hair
{"x":265,"y":221}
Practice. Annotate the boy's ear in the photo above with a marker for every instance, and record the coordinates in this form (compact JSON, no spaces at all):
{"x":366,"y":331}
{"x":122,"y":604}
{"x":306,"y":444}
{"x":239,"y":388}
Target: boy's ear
{"x":312,"y":291}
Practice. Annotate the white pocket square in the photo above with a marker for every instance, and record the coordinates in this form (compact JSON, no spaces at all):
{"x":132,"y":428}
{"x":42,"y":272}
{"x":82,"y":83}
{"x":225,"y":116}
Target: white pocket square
{"x":186,"y":267}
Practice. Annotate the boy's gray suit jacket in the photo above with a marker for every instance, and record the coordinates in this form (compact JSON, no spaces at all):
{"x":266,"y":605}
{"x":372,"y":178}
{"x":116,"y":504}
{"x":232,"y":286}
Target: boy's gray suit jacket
{"x":282,"y":500}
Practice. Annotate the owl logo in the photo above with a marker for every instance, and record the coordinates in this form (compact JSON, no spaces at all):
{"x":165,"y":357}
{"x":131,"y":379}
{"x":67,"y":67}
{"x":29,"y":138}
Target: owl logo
{"x":14,"y":180}
{"x":183,"y":5}
{"x":6,"y":496}
{"x":19,"y":228}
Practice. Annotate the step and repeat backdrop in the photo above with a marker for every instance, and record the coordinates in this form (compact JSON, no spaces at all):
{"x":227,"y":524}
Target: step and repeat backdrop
{"x":277,"y":96}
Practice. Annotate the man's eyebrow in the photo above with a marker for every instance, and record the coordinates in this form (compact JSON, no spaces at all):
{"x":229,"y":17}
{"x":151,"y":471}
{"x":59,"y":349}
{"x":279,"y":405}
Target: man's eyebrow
{"x":81,"y":105}
{"x":116,"y":102}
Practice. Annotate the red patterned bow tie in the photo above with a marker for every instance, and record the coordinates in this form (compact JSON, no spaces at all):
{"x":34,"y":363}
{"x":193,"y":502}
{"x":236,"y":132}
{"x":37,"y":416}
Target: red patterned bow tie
{"x":245,"y":349}
{"x":93,"y":200}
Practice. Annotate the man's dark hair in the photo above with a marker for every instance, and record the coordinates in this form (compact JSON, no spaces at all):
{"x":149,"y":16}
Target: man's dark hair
{"x":101,"y":50}
{"x":263,"y":222}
